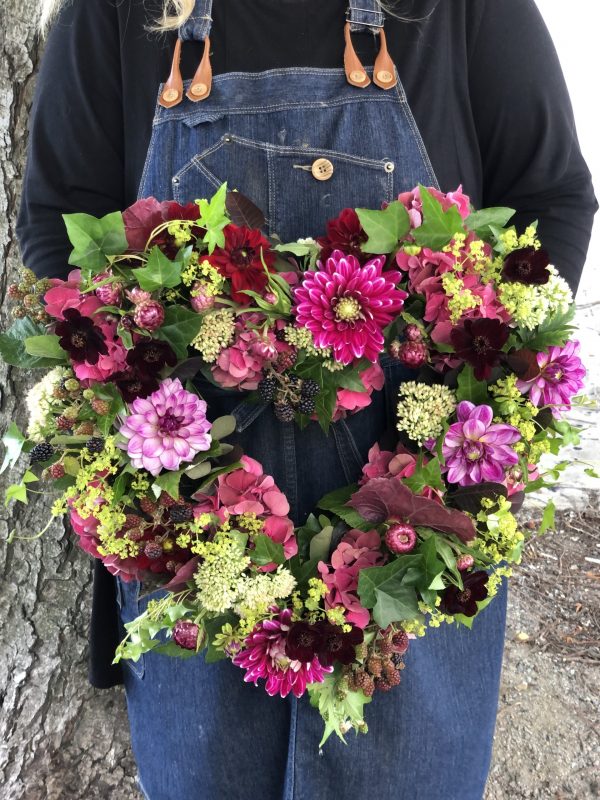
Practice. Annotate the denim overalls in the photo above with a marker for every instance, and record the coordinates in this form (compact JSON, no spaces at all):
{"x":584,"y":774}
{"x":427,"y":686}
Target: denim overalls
{"x":304,"y":144}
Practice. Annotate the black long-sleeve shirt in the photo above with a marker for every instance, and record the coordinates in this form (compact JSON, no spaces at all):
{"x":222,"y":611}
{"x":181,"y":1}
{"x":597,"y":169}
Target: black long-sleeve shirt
{"x":481,"y":76}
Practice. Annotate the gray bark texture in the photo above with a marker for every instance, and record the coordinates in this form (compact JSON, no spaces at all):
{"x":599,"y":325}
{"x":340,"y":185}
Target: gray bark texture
{"x":59,"y":738}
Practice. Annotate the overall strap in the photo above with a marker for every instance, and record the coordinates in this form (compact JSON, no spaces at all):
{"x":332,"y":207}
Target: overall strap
{"x":195,"y":28}
{"x":366,"y":15}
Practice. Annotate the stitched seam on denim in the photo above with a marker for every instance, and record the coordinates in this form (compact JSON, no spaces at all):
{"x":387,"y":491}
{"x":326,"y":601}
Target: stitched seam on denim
{"x":271,"y":196}
{"x":406,"y":110}
{"x":150,"y":153}
{"x":195,"y":160}
{"x":246,"y":413}
{"x":291,"y":473}
{"x":351,"y":446}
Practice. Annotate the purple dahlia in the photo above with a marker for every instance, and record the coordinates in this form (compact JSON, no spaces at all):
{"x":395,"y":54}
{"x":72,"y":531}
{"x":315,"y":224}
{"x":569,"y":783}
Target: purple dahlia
{"x":346,"y":306}
{"x":560,"y":378}
{"x":475,"y":449}
{"x":166,"y":428}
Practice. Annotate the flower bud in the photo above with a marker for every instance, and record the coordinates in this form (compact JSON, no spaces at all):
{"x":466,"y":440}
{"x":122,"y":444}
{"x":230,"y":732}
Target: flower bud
{"x":149,"y":315}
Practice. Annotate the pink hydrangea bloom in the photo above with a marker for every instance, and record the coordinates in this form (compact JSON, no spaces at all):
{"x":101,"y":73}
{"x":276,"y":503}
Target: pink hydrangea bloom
{"x":240,"y":366}
{"x":356,"y":551}
{"x":249,"y":491}
{"x":107,"y":365}
{"x":346,"y":306}
{"x":87,"y":531}
{"x":412,"y":203}
{"x":349,"y":402}
{"x":263,"y":657}
{"x":560,"y":378}
{"x":66,"y":294}
{"x":167,"y":428}
{"x":475,"y":449}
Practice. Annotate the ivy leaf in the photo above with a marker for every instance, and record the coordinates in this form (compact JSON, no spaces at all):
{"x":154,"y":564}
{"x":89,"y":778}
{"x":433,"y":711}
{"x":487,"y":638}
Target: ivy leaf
{"x":469,"y":388}
{"x":169,"y":482}
{"x":384,"y":228}
{"x":46,"y":346}
{"x":432,"y":567}
{"x":18,"y":491}
{"x":213,"y":217}
{"x":95,"y":239}
{"x":13,"y":440}
{"x":12,"y":345}
{"x":395,"y":604}
{"x":386,"y":579}
{"x":439,"y":226}
{"x":480,"y":222}
{"x":159,"y":273}
{"x":548,"y":518}
{"x":266,"y":551}
{"x":180,"y":327}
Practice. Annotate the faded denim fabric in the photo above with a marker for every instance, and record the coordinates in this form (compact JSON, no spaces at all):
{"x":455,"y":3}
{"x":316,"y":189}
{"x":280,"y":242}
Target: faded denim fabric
{"x":198,"y":731}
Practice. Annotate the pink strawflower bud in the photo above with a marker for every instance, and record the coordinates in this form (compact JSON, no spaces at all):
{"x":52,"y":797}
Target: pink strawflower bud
{"x":464,"y":562}
{"x":111,"y":294}
{"x":413,"y":333}
{"x":149,"y":315}
{"x":138,"y":295}
{"x":201,"y":301}
{"x":185,"y":634}
{"x":401,"y":538}
{"x":413,"y":354}
{"x":270,"y":297}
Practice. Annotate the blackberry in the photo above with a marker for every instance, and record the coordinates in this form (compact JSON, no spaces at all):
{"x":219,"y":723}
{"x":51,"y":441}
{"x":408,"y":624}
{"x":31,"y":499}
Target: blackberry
{"x":153,"y":550}
{"x":267,"y":388}
{"x":306,"y":405}
{"x":56,"y":471}
{"x":310,"y":388}
{"x":172,"y":566}
{"x":280,"y":335}
{"x":95,"y":444}
{"x":286,"y":360}
{"x":181,"y":513}
{"x":400,"y":642}
{"x":64,"y":424}
{"x":41,"y":452}
{"x":284,"y":412}
{"x":148,"y":505}
{"x":375,"y":665}
{"x":365,"y":682}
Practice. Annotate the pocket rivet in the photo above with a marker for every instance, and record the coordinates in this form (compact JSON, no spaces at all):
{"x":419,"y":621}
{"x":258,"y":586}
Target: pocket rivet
{"x":227,"y":138}
{"x":175,"y":180}
{"x":389,"y":166}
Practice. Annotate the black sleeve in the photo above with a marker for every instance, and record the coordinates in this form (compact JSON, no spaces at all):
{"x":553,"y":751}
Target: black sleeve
{"x":524,"y":120}
{"x":75,"y":151}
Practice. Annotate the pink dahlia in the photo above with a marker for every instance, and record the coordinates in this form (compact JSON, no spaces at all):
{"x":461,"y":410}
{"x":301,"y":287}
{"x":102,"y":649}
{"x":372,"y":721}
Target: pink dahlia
{"x":346,"y":306}
{"x":166,"y":428}
{"x":263,"y":656}
{"x":249,"y":491}
{"x":475,"y":449}
{"x":560,"y":378}
{"x":356,"y":551}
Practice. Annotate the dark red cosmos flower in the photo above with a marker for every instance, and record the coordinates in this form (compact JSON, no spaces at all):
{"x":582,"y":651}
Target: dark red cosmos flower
{"x":78,"y":335}
{"x":527,"y":265}
{"x":303,"y":641}
{"x":479,"y":342}
{"x":464,"y":601}
{"x":240,"y":261}
{"x":346,"y":234}
{"x":149,"y":357}
{"x":329,"y":643}
{"x":132,"y":385}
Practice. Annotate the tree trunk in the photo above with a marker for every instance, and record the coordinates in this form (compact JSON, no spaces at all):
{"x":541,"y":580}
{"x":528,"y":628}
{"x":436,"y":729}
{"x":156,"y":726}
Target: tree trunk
{"x":59,"y":738}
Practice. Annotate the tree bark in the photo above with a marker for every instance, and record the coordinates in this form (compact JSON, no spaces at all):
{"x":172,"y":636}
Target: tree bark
{"x":59,"y":738}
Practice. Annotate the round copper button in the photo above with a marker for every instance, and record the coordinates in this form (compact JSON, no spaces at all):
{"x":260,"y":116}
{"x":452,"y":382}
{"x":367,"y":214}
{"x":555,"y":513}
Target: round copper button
{"x":358,"y":76}
{"x":322,"y":169}
{"x":169,"y":95}
{"x":199,"y":89}
{"x":384,"y":76}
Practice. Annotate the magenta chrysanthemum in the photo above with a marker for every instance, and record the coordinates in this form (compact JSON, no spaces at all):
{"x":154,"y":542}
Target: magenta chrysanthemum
{"x":560,"y":378}
{"x":166,"y":428}
{"x":346,"y":306}
{"x":475,"y":450}
{"x":263,"y":656}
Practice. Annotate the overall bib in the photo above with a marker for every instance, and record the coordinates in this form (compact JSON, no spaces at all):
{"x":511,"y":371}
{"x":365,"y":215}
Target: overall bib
{"x":198,"y":731}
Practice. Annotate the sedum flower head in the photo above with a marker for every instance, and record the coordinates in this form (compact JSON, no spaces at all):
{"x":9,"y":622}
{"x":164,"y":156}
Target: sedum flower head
{"x":256,"y":593}
{"x":216,"y":333}
{"x":40,"y":402}
{"x":218,"y":576}
{"x":423,"y":410}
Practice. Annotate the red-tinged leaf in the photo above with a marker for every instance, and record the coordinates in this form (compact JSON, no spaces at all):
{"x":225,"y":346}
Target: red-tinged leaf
{"x":183,"y":576}
{"x":523,"y":363}
{"x":468,"y":498}
{"x":243,"y":211}
{"x":385,"y":498}
{"x":140,"y":220}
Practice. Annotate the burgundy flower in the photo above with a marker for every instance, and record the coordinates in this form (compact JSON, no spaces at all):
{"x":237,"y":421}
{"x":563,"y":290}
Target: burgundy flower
{"x":337,"y":645}
{"x":346,"y":234}
{"x":303,"y":641}
{"x":145,"y":215}
{"x":479,"y":343}
{"x":464,"y":601}
{"x":526,"y":265}
{"x":78,"y":335}
{"x":240,"y":261}
{"x":132,"y":385}
{"x":149,"y":357}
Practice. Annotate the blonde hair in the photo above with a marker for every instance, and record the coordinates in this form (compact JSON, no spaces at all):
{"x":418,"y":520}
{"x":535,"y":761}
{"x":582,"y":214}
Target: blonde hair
{"x":174,"y":13}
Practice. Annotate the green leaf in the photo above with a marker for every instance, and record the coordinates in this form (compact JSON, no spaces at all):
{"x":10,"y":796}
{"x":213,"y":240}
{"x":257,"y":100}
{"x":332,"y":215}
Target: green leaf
{"x":169,"y":482}
{"x":13,"y":440}
{"x":429,"y":474}
{"x":439,"y":226}
{"x":384,"y":228}
{"x":432,"y":568}
{"x":480,"y":221}
{"x":12,"y":345}
{"x":197,"y":471}
{"x":386,"y":579}
{"x":319,"y":544}
{"x":95,"y":239}
{"x":447,"y":555}
{"x":223,"y":427}
{"x":548,"y":518}
{"x":302,"y":571}
{"x":469,"y":388}
{"x":395,"y":604}
{"x":159,"y":273}
{"x":349,"y":379}
{"x":553,"y":332}
{"x":293,"y":248}
{"x":213,"y":217}
{"x":213,"y":627}
{"x":45,"y":346}
{"x":180,"y":327}
{"x":266,"y":551}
